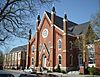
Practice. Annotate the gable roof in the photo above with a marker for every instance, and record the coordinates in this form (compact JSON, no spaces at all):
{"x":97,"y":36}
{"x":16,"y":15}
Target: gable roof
{"x":73,"y":28}
{"x":19,"y":48}
{"x":59,"y":21}
{"x":83,"y":28}
{"x":80,"y":29}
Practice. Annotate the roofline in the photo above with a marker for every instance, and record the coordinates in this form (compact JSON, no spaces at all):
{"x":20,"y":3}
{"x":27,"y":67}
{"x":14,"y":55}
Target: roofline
{"x":17,"y":47}
{"x":44,"y":14}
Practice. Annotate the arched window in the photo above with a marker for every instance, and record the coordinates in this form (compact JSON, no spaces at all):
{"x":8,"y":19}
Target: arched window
{"x":71,"y":59}
{"x":80,"y":59}
{"x":33,"y":48}
{"x":70,"y":45}
{"x":59,"y":44}
{"x":32,"y":61}
{"x":59,"y":59}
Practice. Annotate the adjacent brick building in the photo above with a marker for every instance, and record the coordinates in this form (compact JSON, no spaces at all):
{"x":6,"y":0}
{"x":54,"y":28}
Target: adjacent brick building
{"x":97,"y":53}
{"x":89,"y":42}
{"x":16,"y":58}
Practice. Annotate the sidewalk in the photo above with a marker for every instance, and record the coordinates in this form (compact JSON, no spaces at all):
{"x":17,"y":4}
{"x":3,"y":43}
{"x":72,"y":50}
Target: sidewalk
{"x":20,"y":71}
{"x":57,"y":74}
{"x":72,"y":75}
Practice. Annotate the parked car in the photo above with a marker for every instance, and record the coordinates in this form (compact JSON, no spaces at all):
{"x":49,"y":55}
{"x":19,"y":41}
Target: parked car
{"x":27,"y":75}
{"x":6,"y":75}
{"x":37,"y":75}
{"x":73,"y":72}
{"x":29,"y":70}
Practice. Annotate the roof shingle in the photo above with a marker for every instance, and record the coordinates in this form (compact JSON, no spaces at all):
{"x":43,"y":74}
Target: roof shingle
{"x":59,"y":21}
{"x":19,"y":48}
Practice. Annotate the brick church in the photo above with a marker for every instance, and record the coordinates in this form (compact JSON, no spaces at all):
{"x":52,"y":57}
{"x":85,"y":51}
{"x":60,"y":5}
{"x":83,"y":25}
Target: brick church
{"x":52,"y":43}
{"x":55,"y":42}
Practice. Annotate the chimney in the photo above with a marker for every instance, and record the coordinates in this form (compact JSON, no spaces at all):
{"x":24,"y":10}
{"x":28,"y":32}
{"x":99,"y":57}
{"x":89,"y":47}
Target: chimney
{"x":65,"y":23}
{"x":53,"y":14}
{"x":38,"y":21}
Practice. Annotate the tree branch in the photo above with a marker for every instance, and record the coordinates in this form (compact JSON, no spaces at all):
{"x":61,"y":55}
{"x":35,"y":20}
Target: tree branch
{"x":3,"y":39}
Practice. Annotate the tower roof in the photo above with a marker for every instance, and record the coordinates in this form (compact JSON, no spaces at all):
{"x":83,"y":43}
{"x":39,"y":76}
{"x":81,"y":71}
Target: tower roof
{"x":65,"y":16}
{"x":38,"y":17}
{"x":53,"y":9}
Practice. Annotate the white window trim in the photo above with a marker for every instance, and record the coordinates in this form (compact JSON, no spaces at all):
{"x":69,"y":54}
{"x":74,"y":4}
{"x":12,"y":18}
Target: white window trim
{"x":44,"y":36}
{"x":32,"y":48}
{"x":59,"y":55}
{"x":71,"y":60}
{"x":58,"y":58}
{"x":71,"y":45}
{"x":33,"y":59}
{"x":79,"y":59}
{"x":58,"y":43}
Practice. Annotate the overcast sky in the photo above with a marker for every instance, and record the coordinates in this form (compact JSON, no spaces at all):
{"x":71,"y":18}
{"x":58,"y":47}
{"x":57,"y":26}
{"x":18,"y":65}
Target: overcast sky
{"x":78,"y":11}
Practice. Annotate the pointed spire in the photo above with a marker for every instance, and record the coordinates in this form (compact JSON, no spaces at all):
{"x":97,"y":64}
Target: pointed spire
{"x":65,"y":23}
{"x":53,"y":8}
{"x":65,"y":16}
{"x":53,"y":15}
{"x":30,"y":31}
{"x":38,"y":21}
{"x":38,"y":17}
{"x":30,"y":34}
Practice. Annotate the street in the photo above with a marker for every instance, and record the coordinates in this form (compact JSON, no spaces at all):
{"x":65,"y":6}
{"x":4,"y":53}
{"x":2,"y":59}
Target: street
{"x":16,"y":73}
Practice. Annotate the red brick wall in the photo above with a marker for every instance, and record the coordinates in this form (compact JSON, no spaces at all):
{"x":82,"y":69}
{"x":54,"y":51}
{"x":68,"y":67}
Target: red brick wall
{"x":58,"y":35}
{"x":97,"y":53}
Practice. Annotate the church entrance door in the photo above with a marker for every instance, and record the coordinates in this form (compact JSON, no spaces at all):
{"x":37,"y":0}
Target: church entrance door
{"x":44,"y":61}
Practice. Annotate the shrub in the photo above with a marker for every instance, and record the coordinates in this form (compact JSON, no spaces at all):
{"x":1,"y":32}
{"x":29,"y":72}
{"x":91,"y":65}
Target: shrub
{"x":91,"y":70}
{"x":62,"y":71}
{"x":81,"y":73}
{"x":58,"y":69}
{"x":49,"y":71}
{"x":45,"y":68}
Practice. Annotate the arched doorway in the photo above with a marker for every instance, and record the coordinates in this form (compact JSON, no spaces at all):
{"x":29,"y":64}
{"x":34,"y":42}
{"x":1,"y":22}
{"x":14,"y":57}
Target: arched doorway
{"x":44,"y":60}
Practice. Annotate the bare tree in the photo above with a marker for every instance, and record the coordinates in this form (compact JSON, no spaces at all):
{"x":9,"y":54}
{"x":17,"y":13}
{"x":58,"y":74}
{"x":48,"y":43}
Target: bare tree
{"x":95,"y":22}
{"x":1,"y":59}
{"x":15,"y":17}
